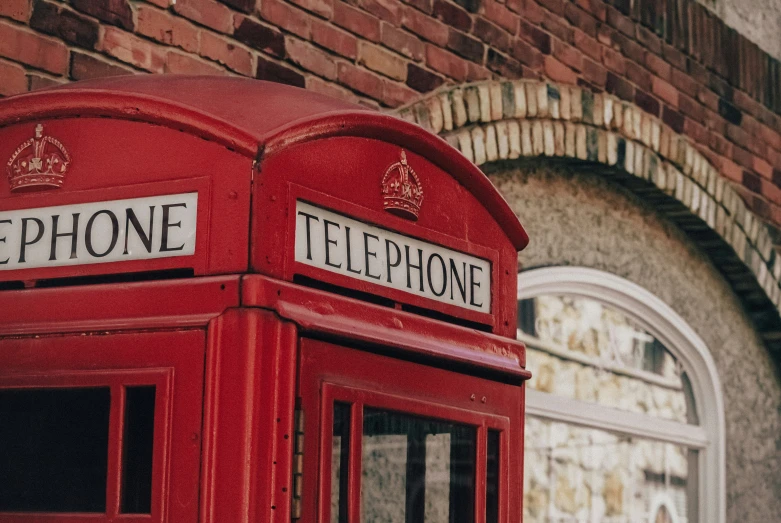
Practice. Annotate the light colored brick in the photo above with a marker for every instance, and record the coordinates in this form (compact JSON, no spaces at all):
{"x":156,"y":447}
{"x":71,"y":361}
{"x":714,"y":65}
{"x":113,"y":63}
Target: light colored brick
{"x":382,"y":61}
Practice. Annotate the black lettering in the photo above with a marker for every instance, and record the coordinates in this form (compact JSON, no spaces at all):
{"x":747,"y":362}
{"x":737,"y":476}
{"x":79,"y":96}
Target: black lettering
{"x":474,"y":284}
{"x":461,"y":286}
{"x":74,"y":234}
{"x":164,"y":233}
{"x":368,"y":253}
{"x":349,"y":254}
{"x":419,"y":267}
{"x":25,"y":243}
{"x":328,"y":243}
{"x":444,"y":274}
{"x":131,"y":218}
{"x":388,"y":257}
{"x":114,"y":233}
{"x":308,"y":234}
{"x":2,"y":240}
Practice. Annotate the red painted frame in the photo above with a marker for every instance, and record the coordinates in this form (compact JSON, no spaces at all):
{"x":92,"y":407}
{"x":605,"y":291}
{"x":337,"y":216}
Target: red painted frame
{"x":379,"y":381}
{"x":117,"y":361}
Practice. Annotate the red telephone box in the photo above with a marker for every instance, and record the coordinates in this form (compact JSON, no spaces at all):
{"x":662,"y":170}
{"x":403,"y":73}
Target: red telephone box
{"x":224,"y":300}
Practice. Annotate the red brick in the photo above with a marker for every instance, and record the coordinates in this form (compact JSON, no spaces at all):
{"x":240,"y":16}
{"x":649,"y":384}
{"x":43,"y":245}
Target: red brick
{"x":568,"y":55}
{"x":12,"y":79}
{"x":245,"y":6}
{"x":475,"y":72}
{"x":588,"y":45}
{"x":59,"y":21}
{"x":425,"y":27}
{"x":674,"y":57}
{"x":226,"y":52}
{"x":287,"y":17}
{"x":559,"y":72}
{"x":649,"y":40}
{"x":446,"y":63}
{"x":324,"y":8}
{"x":309,"y":57}
{"x":181,"y":63}
{"x":259,"y":36}
{"x":426,"y":5}
{"x":422,"y":80}
{"x":535,"y":36}
{"x":361,"y":80}
{"x":620,"y":22}
{"x":554,"y":6}
{"x":381,"y":61}
{"x":397,"y":94}
{"x":581,"y":19}
{"x":86,"y":67}
{"x":318,"y":85}
{"x":403,"y":42}
{"x":276,"y":72}
{"x":341,"y":42}
{"x":164,"y":4}
{"x":452,"y":15}
{"x":206,"y":12}
{"x":684,"y":83}
{"x":743,"y":157}
{"x":763,"y":168}
{"x":719,"y":145}
{"x":23,"y":45}
{"x":39,"y":81}
{"x":665,"y":91}
{"x":731,"y":170}
{"x":708,"y":98}
{"x":501,"y":16}
{"x":658,"y":66}
{"x":646,"y":102}
{"x":557,"y":26}
{"x":594,"y":73}
{"x":114,"y":12}
{"x":629,"y":48}
{"x":691,"y":108}
{"x":133,"y":50}
{"x":166,"y":28}
{"x":18,"y":10}
{"x":738,"y":135}
{"x":387,"y":10}
{"x":695,"y":131}
{"x":527,"y":54}
{"x":770,"y":136}
{"x":597,"y":8}
{"x":528,"y":9}
{"x":356,"y":21}
{"x":605,"y":35}
{"x":614,"y":61}
{"x":638,"y":75}
{"x":620,"y":87}
{"x":492,"y":34}
{"x":466,"y":46}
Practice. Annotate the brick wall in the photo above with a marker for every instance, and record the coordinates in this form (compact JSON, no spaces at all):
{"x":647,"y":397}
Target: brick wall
{"x":673,"y":58}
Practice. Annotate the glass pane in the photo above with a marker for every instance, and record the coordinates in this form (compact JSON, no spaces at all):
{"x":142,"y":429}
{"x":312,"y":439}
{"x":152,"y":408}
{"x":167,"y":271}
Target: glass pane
{"x":492,"y":478}
{"x":416,"y":469}
{"x":137,"y":447}
{"x":54,"y":449}
{"x":340,"y":455}
{"x":582,"y":349}
{"x":577,"y":474}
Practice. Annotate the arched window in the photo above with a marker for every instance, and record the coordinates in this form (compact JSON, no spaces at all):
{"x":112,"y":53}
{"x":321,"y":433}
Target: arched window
{"x":625,"y":406}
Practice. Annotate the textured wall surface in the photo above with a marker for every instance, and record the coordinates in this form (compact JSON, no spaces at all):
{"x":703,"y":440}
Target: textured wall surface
{"x":757,"y":20}
{"x":582,"y":220}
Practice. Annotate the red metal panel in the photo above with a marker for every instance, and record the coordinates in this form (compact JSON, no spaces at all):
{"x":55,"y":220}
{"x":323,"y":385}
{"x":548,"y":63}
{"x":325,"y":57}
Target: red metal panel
{"x":248,"y":418}
{"x":119,"y":360}
{"x":344,"y":175}
{"x":349,"y":319}
{"x":119,"y":306}
{"x":143,"y":160}
{"x":330,"y":372}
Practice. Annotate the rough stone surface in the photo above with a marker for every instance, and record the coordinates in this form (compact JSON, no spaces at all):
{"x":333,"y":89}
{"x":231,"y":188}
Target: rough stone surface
{"x":583,"y":220}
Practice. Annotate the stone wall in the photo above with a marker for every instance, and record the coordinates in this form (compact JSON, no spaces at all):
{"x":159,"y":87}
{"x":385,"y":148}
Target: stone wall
{"x":600,"y":225}
{"x":675,"y":59}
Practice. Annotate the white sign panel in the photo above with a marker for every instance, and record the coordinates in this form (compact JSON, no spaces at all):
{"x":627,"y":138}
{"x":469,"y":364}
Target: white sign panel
{"x":355,"y":249}
{"x":99,"y":232}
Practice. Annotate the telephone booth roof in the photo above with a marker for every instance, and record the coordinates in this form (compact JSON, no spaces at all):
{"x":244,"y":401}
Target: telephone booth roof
{"x":254,"y":118}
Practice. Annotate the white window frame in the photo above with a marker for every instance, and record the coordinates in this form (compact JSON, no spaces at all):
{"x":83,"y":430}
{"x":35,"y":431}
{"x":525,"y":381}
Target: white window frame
{"x":673,"y":332}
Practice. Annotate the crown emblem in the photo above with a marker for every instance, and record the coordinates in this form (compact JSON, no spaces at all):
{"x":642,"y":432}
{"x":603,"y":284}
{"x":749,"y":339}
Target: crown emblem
{"x":401,"y":190}
{"x":39,"y":163}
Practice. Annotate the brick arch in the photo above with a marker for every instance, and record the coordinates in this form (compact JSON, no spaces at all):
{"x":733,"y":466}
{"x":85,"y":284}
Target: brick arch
{"x":507,"y":120}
